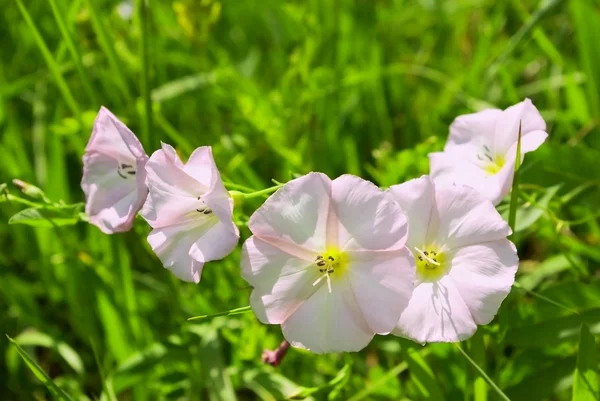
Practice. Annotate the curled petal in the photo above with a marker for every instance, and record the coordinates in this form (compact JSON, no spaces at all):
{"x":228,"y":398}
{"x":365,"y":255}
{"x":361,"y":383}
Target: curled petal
{"x":436,"y":313}
{"x":165,"y":172}
{"x":507,"y":127}
{"x":484,"y":274}
{"x":172,"y":245}
{"x":113,"y":174}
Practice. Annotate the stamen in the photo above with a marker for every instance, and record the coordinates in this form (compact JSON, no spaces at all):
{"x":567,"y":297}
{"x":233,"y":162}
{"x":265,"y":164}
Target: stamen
{"x":427,"y":258}
{"x":123,"y":169}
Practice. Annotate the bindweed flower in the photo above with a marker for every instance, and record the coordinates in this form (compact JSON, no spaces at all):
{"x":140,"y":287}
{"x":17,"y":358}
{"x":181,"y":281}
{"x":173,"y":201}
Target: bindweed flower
{"x":481,"y":149}
{"x":465,"y":264}
{"x":189,"y":210}
{"x":114,"y":179}
{"x":328,"y":262}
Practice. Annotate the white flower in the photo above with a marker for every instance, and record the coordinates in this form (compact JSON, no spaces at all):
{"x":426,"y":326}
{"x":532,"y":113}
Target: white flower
{"x":482,"y":147}
{"x":465,"y":264}
{"x":114,"y":179}
{"x":190,"y":211}
{"x":328,"y":262}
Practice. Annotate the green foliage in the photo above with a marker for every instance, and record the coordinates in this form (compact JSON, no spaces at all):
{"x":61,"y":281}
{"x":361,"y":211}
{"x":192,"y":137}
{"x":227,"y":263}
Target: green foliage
{"x":585,"y":379}
{"x":278,"y":89}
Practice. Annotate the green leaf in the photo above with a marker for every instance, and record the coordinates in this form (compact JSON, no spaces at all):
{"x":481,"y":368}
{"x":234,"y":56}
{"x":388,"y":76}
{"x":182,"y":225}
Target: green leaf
{"x":270,"y":385}
{"x":214,"y":369}
{"x":40,"y":374}
{"x":514,"y":195}
{"x":49,"y":218}
{"x":543,"y":382}
{"x":36,"y":338}
{"x":585,"y":378}
{"x":530,"y":212}
{"x":421,"y":373}
{"x":554,"y":331}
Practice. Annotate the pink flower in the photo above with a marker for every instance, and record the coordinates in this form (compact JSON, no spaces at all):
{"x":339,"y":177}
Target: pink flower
{"x":481,"y":149}
{"x":328,"y":262}
{"x":113,"y":174}
{"x":190,"y":211}
{"x":465,"y":264}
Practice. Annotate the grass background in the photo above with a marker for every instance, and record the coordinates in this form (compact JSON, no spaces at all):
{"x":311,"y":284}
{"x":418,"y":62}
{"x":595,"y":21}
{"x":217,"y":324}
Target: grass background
{"x":279,"y":88}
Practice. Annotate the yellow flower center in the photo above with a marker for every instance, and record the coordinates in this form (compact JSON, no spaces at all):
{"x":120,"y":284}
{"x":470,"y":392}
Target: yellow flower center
{"x":332,"y":263}
{"x":431,"y":264}
{"x":495,"y":165}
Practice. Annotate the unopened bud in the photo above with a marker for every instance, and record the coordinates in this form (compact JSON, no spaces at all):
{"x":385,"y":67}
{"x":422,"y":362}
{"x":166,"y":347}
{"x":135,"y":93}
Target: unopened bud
{"x":30,"y":190}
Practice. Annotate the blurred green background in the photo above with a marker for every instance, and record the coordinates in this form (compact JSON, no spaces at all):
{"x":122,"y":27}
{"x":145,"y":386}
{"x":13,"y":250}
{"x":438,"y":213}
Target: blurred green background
{"x":279,"y":88}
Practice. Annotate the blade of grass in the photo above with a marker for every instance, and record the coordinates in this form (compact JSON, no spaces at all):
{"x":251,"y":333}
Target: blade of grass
{"x":237,"y":311}
{"x":40,"y":374}
{"x":142,"y":17}
{"x":51,"y":62}
{"x":391,"y":374}
{"x":585,"y":380}
{"x":477,"y":347}
{"x":107,"y":47}
{"x":75,"y":55}
{"x":546,"y":299}
{"x":108,"y":390}
{"x":489,"y":381}
{"x":514,"y":196}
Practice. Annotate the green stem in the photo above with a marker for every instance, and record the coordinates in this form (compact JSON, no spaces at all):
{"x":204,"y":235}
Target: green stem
{"x":142,"y":13}
{"x":262,"y":192}
{"x":489,"y":381}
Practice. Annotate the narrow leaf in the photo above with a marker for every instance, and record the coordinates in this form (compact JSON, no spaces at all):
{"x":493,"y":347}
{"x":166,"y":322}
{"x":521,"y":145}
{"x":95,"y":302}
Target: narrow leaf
{"x":40,"y":374}
{"x":48,"y":218}
{"x":489,"y":381}
{"x":585,"y":378}
{"x":50,"y":61}
{"x":237,"y":311}
{"x":512,"y":215}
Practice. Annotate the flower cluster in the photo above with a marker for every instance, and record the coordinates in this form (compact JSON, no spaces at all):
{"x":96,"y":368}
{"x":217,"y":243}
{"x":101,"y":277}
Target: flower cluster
{"x":335,"y":262}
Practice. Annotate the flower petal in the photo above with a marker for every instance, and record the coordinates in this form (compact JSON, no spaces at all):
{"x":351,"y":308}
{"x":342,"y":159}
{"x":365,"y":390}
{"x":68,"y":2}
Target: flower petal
{"x":416,"y":198}
{"x":507,"y":127}
{"x":219,"y":241}
{"x":369,"y":218}
{"x":382,"y":283}
{"x":328,"y":322}
{"x":263,"y":264}
{"x":473,"y":130}
{"x":436,"y":313}
{"x":484,"y":274}
{"x":529,"y":142}
{"x":461,"y":216}
{"x":202,"y":167}
{"x":296,"y":214}
{"x":114,"y":194}
{"x":106,"y":191}
{"x":172,"y":245}
{"x":282,"y":282}
{"x":165,"y":208}
{"x":165,"y":172}
{"x":111,"y":137}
